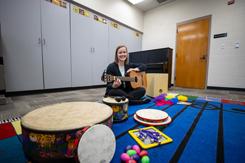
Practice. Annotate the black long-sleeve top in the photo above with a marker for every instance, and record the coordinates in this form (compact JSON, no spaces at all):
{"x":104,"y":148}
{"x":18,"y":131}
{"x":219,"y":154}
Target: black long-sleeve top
{"x":113,"y":69}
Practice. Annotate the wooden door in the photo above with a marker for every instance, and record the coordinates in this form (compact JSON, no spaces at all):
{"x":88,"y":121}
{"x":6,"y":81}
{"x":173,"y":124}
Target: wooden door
{"x":191,"y":53}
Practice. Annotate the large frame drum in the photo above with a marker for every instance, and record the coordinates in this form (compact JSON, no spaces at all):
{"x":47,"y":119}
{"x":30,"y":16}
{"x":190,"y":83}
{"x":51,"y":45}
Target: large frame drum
{"x":52,"y":133}
{"x":119,"y":106}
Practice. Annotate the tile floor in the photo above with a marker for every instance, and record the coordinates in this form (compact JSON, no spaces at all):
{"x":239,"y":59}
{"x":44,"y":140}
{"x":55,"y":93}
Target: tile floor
{"x":17,"y":106}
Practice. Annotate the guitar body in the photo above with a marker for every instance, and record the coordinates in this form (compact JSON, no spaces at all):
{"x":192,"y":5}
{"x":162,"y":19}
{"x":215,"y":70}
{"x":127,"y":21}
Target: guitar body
{"x":136,"y":79}
{"x":140,"y":79}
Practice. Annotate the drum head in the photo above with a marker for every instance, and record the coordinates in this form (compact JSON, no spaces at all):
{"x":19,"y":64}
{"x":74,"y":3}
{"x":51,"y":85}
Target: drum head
{"x":112,"y":100}
{"x":97,"y":144}
{"x":66,"y":116}
{"x":152,"y":114}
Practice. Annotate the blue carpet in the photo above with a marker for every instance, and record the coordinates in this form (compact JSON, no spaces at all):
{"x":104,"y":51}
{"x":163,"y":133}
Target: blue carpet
{"x":234,"y":133}
{"x":11,"y":151}
{"x":205,"y":131}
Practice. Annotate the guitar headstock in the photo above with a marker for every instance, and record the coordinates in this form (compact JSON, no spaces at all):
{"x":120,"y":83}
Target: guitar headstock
{"x":107,"y":77}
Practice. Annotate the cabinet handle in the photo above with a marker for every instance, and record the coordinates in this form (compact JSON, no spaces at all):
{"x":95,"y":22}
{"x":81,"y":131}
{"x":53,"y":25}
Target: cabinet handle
{"x":44,"y":41}
{"x":39,"y":41}
{"x":92,"y":50}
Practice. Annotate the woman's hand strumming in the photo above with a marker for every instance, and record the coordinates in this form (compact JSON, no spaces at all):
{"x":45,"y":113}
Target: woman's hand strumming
{"x":116,"y":83}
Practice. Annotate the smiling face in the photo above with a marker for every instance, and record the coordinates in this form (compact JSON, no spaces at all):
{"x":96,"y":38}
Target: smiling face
{"x":122,"y":54}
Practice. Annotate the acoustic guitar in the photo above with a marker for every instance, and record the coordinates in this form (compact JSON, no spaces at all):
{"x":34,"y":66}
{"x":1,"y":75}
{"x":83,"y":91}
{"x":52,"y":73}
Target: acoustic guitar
{"x":136,"y":79}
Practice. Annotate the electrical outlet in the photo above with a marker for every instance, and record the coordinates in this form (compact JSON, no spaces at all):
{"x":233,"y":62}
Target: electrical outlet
{"x":222,"y":46}
{"x":237,"y":44}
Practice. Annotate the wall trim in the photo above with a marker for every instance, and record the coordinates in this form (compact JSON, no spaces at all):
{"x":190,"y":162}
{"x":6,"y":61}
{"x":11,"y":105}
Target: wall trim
{"x":2,"y":92}
{"x":226,"y":88}
{"x":1,"y":60}
{"x":21,"y":93}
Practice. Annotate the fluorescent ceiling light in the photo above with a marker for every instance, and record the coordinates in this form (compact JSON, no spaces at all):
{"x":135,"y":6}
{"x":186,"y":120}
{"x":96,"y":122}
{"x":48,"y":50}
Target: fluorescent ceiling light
{"x":135,"y":1}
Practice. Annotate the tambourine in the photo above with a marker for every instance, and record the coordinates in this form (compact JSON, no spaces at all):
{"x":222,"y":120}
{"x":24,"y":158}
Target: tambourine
{"x":152,"y":117}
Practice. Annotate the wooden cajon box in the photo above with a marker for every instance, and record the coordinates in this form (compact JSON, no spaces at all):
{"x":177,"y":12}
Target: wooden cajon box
{"x":157,"y":83}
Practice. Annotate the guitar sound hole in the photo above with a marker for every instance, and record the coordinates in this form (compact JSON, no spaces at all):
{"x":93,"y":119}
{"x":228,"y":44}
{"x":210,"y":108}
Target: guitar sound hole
{"x":136,"y":79}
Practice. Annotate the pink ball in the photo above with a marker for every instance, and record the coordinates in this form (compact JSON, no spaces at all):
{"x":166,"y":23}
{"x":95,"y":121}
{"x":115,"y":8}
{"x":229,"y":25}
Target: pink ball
{"x":136,"y":148}
{"x":125,"y":157}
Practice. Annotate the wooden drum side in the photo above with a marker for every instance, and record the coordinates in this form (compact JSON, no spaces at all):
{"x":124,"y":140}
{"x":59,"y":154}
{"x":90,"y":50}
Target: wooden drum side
{"x":52,"y":142}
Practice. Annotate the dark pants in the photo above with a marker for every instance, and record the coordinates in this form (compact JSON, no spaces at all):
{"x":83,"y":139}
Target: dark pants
{"x":134,"y":94}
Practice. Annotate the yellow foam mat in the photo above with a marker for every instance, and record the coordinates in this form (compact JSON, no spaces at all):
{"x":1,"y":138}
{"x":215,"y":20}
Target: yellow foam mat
{"x":17,"y":127}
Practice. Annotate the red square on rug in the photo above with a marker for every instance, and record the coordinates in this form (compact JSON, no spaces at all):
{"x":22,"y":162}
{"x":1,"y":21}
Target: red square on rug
{"x":232,"y":102}
{"x":6,"y":131}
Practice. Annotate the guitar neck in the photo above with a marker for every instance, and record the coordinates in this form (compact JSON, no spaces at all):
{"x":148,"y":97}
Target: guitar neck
{"x":130,"y":79}
{"x":136,"y":79}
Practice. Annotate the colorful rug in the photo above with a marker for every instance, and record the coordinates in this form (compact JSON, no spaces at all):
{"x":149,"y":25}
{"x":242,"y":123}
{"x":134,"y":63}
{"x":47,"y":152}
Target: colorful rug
{"x":10,"y":143}
{"x":208,"y":130}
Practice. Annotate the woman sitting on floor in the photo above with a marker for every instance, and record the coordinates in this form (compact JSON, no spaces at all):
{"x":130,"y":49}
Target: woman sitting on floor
{"x":120,"y":67}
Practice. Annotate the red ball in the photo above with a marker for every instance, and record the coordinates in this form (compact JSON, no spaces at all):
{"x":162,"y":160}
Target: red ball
{"x":131,"y":161}
{"x":143,"y":153}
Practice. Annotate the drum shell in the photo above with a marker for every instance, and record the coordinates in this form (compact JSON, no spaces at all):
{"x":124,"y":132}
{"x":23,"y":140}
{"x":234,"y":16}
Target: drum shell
{"x":56,"y":146}
{"x":120,"y":110}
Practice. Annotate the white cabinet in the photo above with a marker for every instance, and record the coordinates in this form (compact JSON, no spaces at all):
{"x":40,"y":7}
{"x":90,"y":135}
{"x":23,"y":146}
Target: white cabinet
{"x":115,"y":39}
{"x":81,"y":49}
{"x":35,"y":36}
{"x":21,"y":44}
{"x":47,"y":45}
{"x":120,"y":35}
{"x":89,"y":48}
{"x":55,"y":22}
{"x":100,"y":51}
{"x":133,"y":39}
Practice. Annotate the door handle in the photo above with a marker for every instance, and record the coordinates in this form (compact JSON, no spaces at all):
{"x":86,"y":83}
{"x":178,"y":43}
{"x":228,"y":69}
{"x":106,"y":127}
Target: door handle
{"x":204,"y":57}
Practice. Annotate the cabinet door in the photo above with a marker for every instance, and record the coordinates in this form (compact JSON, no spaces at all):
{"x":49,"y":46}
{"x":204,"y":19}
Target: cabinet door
{"x":115,"y":39}
{"x":56,"y":45}
{"x":81,"y":48}
{"x":136,"y":41}
{"x":133,"y":41}
{"x":21,"y":44}
{"x":100,"y":50}
{"x":123,"y":36}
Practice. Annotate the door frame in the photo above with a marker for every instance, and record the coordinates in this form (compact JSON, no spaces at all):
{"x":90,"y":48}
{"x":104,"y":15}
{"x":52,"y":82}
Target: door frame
{"x":208,"y":50}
